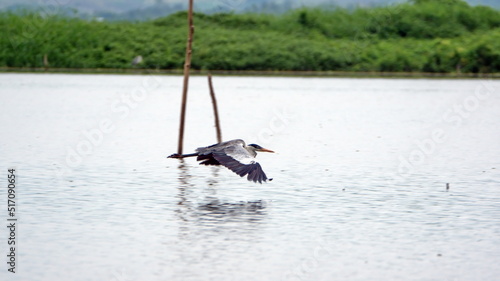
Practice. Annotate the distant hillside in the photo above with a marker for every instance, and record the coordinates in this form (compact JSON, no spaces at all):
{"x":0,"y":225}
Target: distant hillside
{"x":150,"y":9}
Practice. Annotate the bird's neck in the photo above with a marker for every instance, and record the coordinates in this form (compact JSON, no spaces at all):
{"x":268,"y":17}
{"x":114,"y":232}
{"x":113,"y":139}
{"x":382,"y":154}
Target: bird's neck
{"x":252,"y":152}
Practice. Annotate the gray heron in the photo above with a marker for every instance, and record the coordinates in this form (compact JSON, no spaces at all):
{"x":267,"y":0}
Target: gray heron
{"x":234,"y":155}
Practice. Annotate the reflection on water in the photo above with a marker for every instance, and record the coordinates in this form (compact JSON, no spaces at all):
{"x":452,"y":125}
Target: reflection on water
{"x":339,"y":207}
{"x":217,"y":207}
{"x":207,"y":207}
{"x":209,"y":227}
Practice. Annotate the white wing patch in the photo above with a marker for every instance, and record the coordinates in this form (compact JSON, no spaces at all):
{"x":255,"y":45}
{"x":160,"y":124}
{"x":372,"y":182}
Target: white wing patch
{"x":240,"y":154}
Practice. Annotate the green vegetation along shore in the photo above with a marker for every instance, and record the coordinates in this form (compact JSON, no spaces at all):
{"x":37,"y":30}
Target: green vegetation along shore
{"x":439,"y":36}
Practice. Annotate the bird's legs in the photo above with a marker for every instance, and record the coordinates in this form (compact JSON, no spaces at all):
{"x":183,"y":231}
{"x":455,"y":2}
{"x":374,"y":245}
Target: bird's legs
{"x":177,"y":155}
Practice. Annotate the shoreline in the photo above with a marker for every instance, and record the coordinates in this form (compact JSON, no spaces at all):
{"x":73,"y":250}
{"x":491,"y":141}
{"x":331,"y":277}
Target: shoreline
{"x":277,"y":73}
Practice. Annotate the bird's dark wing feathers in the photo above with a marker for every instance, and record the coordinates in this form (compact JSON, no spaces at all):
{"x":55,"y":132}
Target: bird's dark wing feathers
{"x":253,"y":170}
{"x":208,"y":159}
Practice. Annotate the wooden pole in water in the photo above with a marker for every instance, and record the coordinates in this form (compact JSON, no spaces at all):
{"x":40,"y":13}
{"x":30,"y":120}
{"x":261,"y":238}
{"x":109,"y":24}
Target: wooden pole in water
{"x":187,"y":66}
{"x":216,"y":112}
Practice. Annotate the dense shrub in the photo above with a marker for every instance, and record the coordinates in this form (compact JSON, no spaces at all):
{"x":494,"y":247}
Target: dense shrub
{"x":423,"y":36}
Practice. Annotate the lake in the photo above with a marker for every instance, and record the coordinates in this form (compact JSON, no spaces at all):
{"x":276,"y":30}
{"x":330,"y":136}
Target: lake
{"x":359,"y":192}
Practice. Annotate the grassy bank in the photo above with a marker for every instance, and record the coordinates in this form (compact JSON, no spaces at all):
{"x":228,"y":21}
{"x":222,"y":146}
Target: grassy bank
{"x":446,"y":36}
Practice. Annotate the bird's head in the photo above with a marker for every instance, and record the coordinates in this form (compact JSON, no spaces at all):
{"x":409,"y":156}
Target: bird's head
{"x":256,"y":147}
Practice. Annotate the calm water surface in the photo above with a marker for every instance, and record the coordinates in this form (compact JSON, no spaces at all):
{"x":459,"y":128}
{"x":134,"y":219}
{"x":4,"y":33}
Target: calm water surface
{"x":359,"y":189}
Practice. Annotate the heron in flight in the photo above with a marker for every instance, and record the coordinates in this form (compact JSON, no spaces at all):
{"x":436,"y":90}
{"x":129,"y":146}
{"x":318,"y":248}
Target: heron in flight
{"x":234,"y":155}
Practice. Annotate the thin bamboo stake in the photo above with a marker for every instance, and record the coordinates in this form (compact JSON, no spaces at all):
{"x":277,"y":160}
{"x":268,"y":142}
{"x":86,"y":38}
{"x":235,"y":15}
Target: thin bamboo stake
{"x":216,"y":112}
{"x":187,"y":66}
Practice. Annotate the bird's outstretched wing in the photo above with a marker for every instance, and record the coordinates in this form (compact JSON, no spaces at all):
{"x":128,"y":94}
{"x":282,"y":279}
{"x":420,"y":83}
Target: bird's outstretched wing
{"x":252,"y":169}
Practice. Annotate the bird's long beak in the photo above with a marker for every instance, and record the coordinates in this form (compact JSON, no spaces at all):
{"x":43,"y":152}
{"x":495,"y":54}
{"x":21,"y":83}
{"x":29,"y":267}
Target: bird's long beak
{"x":265,"y":150}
